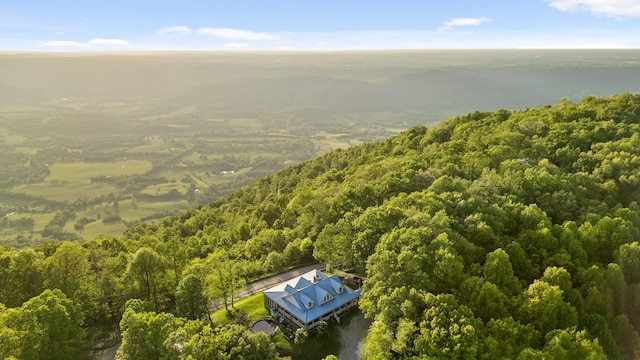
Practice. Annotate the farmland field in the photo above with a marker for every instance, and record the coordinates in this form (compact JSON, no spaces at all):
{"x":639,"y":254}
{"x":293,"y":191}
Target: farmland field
{"x":94,"y":143}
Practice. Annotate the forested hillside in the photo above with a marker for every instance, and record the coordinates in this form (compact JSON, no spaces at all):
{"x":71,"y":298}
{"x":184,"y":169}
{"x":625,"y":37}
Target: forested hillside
{"x":493,"y":235}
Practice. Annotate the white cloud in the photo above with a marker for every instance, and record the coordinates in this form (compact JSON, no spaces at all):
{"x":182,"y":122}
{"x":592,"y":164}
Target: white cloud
{"x":612,"y":8}
{"x":235,"y":34}
{"x":110,"y":42}
{"x":175,"y":30}
{"x":95,"y":44}
{"x":65,"y":44}
{"x":464,"y":22}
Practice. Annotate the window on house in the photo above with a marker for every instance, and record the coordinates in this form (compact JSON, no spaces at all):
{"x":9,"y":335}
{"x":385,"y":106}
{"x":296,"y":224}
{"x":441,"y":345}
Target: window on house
{"x":327,"y":297}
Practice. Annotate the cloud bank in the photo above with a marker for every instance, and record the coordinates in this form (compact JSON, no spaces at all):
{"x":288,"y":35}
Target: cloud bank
{"x":175,"y":30}
{"x":610,"y":8}
{"x":235,"y":34}
{"x":94,"y":44}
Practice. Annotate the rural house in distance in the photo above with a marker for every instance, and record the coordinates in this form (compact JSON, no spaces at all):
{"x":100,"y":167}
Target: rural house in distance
{"x":312,"y":297}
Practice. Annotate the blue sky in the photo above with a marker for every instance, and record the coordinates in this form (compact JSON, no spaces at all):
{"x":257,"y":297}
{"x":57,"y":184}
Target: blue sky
{"x":135,"y":25}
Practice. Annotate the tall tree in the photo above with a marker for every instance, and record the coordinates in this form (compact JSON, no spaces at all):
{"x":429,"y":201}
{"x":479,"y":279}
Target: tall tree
{"x":208,"y":343}
{"x":484,"y":298}
{"x":147,"y":270}
{"x":544,"y":307}
{"x":144,"y":334}
{"x":629,"y":261}
{"x":25,"y":277}
{"x":9,"y":337}
{"x":226,"y":277}
{"x":506,"y":338}
{"x":327,"y":246}
{"x":68,"y":270}
{"x":369,"y":228}
{"x":569,"y":344}
{"x":498,"y":270}
{"x":448,"y":330}
{"x":191,"y":303}
{"x":48,"y":326}
{"x":108,"y":267}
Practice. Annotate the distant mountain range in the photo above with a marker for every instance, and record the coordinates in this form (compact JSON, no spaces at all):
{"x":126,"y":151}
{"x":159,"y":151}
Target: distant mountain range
{"x":443,"y":83}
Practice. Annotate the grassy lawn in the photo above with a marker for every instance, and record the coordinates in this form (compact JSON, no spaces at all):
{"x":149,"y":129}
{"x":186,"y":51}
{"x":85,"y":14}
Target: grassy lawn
{"x":252,"y":305}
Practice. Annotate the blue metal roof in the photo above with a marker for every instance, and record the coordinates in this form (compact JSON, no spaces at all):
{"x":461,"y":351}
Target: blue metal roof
{"x":312,"y":295}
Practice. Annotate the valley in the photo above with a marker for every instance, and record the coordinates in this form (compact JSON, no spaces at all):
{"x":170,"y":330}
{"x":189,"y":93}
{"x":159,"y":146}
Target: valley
{"x":93,"y":144}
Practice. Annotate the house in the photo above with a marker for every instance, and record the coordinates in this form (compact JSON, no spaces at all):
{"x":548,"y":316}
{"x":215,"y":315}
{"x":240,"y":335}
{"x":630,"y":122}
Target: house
{"x":312,"y":297}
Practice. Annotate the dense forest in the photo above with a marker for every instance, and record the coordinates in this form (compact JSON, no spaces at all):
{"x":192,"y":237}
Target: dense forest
{"x":504,"y":234}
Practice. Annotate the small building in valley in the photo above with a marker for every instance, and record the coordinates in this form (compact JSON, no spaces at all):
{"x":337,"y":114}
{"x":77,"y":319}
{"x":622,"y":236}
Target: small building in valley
{"x":312,"y":297}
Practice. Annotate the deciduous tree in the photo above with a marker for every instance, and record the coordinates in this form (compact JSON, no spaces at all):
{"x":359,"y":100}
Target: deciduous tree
{"x":544,"y":307}
{"x":144,"y":334}
{"x":68,"y":269}
{"x":448,"y":330}
{"x":146,"y":268}
{"x":497,"y":270}
{"x":191,"y":303}
{"x":47,"y":326}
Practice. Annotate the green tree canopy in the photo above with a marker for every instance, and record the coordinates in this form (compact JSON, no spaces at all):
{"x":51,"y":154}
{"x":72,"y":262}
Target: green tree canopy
{"x":191,"y":303}
{"x":48,"y":326}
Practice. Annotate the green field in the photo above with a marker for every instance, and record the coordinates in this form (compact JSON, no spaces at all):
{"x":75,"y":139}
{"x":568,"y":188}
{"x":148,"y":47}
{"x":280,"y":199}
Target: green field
{"x":82,"y":172}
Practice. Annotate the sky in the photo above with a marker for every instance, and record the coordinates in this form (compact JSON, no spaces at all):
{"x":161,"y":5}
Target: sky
{"x":144,"y":25}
